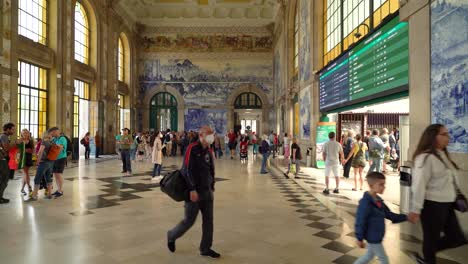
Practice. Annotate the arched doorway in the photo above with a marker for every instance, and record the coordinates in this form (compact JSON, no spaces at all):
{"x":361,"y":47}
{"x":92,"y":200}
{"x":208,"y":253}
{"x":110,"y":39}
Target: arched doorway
{"x":163,"y":112}
{"x":248,"y":112}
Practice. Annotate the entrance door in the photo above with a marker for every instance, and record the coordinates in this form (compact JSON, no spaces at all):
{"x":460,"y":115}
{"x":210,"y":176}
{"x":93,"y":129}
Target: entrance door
{"x":248,"y":112}
{"x":82,"y":113}
{"x":163,"y":112}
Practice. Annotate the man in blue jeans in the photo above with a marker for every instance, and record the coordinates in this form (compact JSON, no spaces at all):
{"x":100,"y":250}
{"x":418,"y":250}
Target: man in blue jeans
{"x":45,"y":166}
{"x":376,"y":149}
{"x":125,"y":142}
{"x":265,"y":153}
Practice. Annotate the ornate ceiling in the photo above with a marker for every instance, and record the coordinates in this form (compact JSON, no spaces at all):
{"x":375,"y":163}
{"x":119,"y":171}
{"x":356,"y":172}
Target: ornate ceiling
{"x":197,"y":13}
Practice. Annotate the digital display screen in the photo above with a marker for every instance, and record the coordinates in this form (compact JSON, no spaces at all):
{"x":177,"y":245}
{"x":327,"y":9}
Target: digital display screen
{"x":376,"y":67}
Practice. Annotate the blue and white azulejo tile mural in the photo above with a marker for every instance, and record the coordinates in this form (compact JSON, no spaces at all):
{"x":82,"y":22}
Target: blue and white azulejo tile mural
{"x":206,"y":82}
{"x":305,"y":117}
{"x":214,"y":118}
{"x":304,"y":43}
{"x":449,"y":69}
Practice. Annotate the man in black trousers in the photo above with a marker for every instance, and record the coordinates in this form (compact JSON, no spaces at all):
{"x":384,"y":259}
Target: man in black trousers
{"x":200,"y":177}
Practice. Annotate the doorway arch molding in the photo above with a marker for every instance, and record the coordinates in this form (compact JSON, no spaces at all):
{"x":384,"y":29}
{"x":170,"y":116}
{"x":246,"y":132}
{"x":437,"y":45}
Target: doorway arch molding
{"x":249,"y":88}
{"x":161,"y":88}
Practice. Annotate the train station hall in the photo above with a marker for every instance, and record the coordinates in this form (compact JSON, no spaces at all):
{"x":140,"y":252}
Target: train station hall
{"x":234,"y":131}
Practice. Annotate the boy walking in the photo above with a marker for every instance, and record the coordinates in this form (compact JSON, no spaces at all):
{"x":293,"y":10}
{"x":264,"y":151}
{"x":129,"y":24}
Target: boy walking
{"x":370,"y":220}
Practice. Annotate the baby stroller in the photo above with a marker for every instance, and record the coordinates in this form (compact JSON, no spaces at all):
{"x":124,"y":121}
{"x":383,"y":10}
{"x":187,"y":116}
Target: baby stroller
{"x":244,"y":153}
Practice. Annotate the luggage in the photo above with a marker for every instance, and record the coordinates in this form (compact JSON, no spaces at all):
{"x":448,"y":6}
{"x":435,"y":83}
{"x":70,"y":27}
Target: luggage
{"x":173,"y":184}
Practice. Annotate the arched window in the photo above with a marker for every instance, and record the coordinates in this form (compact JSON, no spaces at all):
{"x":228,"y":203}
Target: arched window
{"x":296,"y":39}
{"x":346,"y":17}
{"x":32,"y":20}
{"x":248,"y":101}
{"x":82,"y":34}
{"x":163,"y":112}
{"x":121,"y":61}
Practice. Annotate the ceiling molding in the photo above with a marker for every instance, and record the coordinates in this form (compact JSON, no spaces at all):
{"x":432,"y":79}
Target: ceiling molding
{"x":267,"y":56}
{"x":198,"y":13}
{"x":207,"y":30}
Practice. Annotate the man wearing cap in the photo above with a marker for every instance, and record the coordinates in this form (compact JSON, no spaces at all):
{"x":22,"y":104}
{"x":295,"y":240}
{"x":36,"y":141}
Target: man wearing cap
{"x":200,"y":177}
{"x":125,"y":142}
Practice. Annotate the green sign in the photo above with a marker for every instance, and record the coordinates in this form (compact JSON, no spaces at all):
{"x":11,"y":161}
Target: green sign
{"x":381,"y":62}
{"x":376,"y":67}
{"x":323,"y":129}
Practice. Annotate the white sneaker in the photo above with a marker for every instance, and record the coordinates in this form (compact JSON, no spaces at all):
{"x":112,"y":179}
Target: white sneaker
{"x":157,"y":178}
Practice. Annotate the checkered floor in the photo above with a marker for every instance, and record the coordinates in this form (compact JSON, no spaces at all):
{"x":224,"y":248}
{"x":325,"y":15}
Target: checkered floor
{"x":327,"y":223}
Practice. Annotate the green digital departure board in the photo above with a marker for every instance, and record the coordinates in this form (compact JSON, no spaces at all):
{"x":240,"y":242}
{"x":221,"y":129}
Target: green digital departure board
{"x":380,"y":62}
{"x":375,"y":67}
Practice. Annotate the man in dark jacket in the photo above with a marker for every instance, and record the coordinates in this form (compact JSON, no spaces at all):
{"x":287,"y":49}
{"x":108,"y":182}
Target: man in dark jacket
{"x":265,"y":151}
{"x":199,"y":173}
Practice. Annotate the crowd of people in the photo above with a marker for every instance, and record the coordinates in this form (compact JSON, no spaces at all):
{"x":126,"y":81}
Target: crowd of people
{"x":18,"y":153}
{"x":355,"y":151}
{"x":435,"y":181}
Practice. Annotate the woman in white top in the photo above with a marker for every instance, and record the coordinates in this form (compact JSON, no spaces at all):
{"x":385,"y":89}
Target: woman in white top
{"x":434,"y":193}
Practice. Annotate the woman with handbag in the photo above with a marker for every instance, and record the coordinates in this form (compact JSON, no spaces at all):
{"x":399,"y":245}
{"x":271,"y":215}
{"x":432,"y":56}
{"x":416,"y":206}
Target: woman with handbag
{"x":358,"y":160}
{"x":436,"y":195}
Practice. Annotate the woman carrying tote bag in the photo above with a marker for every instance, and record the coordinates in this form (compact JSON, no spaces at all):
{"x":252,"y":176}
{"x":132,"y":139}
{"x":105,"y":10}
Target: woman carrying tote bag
{"x":436,"y":195}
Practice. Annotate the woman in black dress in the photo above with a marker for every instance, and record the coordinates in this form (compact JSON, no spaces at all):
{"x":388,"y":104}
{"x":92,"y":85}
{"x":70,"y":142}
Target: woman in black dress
{"x":28,"y":162}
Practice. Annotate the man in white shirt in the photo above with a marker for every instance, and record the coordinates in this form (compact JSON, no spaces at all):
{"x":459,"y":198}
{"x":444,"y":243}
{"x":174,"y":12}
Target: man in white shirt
{"x":333,"y":157}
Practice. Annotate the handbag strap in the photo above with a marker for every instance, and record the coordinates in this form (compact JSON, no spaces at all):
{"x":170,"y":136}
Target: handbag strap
{"x":455,"y":184}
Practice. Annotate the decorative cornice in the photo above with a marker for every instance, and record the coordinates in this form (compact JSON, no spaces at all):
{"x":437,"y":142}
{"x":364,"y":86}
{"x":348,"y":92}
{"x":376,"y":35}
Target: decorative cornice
{"x":208,"y":55}
{"x":207,"y":30}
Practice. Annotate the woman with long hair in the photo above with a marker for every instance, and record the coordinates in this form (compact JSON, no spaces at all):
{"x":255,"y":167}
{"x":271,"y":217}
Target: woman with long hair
{"x":434,"y":193}
{"x":358,"y":160}
{"x":28,"y":162}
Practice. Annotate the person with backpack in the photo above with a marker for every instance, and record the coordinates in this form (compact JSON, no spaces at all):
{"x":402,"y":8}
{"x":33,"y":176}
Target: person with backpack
{"x":85,"y":141}
{"x":265,"y":151}
{"x":48,"y":154}
{"x":376,"y":149}
{"x":6,"y":143}
{"x":199,"y":175}
{"x":358,"y":160}
{"x":59,"y":164}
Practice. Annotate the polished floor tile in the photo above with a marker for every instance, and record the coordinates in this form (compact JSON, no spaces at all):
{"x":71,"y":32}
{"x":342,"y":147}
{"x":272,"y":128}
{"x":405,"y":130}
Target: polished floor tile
{"x":107,"y":218}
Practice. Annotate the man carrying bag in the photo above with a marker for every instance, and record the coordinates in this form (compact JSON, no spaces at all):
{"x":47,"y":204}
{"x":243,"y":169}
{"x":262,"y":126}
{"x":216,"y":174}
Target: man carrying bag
{"x":199,"y":173}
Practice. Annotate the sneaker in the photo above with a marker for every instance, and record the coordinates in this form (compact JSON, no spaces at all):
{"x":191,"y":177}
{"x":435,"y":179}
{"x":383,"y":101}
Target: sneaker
{"x":156,"y":178}
{"x":336,"y":191}
{"x":58,"y":194}
{"x":326,"y":191}
{"x":211,"y":253}
{"x":4,"y":201}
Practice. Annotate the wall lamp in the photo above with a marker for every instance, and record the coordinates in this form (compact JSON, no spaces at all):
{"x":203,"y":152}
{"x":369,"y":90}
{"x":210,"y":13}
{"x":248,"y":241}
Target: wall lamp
{"x":358,"y":34}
